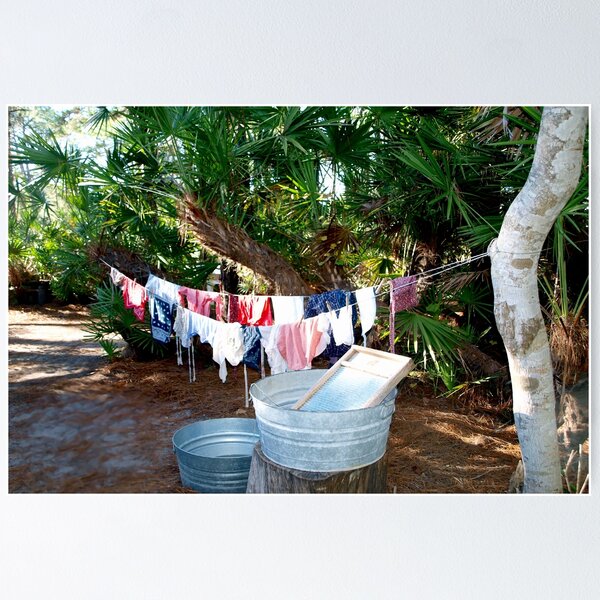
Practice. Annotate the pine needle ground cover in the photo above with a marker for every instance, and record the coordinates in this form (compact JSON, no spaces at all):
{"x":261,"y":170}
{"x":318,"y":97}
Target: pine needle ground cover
{"x":107,"y":427}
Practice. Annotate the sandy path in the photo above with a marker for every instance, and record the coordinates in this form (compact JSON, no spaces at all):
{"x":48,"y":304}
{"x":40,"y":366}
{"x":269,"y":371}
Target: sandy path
{"x":68,"y":429}
{"x":48,"y":346}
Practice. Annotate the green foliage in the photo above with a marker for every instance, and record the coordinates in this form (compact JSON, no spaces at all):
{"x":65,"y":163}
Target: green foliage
{"x":108,"y":317}
{"x":475,"y":300}
{"x":446,"y":371}
{"x":110,"y":349}
{"x":76,"y":275}
{"x":427,"y":337}
{"x":57,"y":221}
{"x":50,"y":161}
{"x":366,"y":189}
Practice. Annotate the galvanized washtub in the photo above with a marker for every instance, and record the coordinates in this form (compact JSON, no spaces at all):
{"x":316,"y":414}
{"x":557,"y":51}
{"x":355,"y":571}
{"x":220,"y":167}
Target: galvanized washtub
{"x":317,"y":441}
{"x":214,"y":455}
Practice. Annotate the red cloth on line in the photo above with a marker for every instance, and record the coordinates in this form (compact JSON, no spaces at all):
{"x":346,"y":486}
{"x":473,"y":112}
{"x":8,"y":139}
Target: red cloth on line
{"x":403,"y":296}
{"x":250,"y":310}
{"x":134,"y":296}
{"x":199,"y":301}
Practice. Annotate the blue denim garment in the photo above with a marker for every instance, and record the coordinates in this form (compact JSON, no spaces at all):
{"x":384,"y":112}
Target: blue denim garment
{"x":251,"y":347}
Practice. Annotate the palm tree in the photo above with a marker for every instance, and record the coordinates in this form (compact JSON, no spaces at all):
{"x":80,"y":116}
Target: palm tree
{"x":554,"y":177}
{"x":236,"y":179}
{"x":310,"y":198}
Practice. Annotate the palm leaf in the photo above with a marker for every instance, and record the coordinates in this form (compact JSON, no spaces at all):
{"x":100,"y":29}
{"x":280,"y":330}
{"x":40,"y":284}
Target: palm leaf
{"x":49,"y":160}
{"x":427,"y":335}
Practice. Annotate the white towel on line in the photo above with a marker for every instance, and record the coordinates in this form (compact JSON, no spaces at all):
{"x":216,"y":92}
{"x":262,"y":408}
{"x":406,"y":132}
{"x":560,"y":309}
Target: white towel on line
{"x":367,"y":307}
{"x":287,"y":309}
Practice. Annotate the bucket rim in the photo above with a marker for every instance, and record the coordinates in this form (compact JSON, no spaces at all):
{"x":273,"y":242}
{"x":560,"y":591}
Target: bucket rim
{"x":231,"y":420}
{"x":384,"y":402}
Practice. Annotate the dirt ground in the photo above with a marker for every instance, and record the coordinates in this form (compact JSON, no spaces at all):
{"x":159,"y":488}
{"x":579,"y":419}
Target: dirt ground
{"x":78,"y":423}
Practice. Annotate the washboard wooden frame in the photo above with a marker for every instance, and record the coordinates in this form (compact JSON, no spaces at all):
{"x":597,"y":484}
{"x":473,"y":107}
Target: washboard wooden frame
{"x":382,"y":371}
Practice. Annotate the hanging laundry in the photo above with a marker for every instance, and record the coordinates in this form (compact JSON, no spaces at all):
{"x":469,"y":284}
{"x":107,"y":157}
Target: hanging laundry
{"x":181,"y":329}
{"x":251,"y":336}
{"x":161,"y":319}
{"x":287,"y":309}
{"x":341,"y":325}
{"x":116,"y":276}
{"x":166,"y":290}
{"x":336,"y":299}
{"x":403,"y":296}
{"x":268,"y":340}
{"x":367,"y":308}
{"x":134,"y":296}
{"x":199,"y":301}
{"x":228,"y":345}
{"x":188,"y":324}
{"x":250,"y":310}
{"x":261,"y":311}
{"x":300,"y":342}
{"x":204,"y":327}
{"x":183,"y":337}
{"x":181,"y":326}
{"x":233,"y":308}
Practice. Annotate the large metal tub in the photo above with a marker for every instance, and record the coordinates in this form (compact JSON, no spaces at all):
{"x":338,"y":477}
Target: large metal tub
{"x":214,"y":455}
{"x":317,"y":441}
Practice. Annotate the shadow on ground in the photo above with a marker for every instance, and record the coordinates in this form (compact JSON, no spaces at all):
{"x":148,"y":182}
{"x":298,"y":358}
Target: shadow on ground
{"x":80,"y":424}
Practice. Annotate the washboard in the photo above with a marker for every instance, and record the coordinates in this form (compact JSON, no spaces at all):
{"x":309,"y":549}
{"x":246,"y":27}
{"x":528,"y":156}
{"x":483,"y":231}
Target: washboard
{"x":362,"y":377}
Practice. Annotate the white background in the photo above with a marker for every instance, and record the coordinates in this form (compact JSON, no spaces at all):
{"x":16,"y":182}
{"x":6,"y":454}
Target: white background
{"x":310,"y":52}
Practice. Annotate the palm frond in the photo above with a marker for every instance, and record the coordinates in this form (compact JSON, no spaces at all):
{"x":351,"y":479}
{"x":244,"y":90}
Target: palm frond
{"x":427,"y":336}
{"x":49,"y":161}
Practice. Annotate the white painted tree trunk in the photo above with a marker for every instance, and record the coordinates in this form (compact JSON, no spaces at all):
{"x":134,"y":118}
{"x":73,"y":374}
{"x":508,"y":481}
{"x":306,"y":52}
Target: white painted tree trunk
{"x":514,"y":255}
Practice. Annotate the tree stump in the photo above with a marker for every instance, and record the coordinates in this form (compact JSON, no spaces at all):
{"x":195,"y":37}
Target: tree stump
{"x":267,"y":477}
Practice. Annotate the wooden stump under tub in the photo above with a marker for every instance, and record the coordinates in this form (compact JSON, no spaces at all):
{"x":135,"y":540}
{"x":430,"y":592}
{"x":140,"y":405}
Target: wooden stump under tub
{"x":267,"y":477}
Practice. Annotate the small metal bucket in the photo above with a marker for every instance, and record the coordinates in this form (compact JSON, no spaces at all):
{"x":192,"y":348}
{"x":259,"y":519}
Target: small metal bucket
{"x":317,"y":441}
{"x":214,"y":455}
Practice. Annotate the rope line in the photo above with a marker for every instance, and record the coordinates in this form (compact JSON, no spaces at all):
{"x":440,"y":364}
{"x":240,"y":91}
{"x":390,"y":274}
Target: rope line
{"x":423,"y":275}
{"x":496,"y":249}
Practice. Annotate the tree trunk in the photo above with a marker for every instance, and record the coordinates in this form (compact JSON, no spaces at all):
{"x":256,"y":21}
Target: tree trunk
{"x":479,"y":362}
{"x":229,"y":277}
{"x":514,"y":254}
{"x":234,"y":243}
{"x":266,"y":477}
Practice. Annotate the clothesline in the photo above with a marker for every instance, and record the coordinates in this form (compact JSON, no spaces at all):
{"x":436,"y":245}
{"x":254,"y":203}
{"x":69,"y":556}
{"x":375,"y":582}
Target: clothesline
{"x":232,"y":346}
{"x":514,"y":252}
{"x":430,"y":273}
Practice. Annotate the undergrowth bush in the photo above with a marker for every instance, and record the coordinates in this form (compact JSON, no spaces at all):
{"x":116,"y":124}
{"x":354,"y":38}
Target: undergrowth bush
{"x":109,"y":317}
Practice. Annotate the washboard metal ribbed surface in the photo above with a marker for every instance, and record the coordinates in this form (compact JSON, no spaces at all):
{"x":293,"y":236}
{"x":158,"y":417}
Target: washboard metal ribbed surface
{"x":362,"y":378}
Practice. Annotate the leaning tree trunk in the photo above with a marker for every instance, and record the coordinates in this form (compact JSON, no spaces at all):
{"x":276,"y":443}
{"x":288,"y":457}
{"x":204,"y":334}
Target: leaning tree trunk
{"x":553,"y":177}
{"x":234,"y":243}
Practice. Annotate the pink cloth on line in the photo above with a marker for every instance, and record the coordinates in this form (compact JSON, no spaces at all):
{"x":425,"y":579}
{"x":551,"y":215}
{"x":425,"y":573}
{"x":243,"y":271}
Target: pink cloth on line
{"x":134,"y":296}
{"x":300,"y":342}
{"x":403,"y":296}
{"x":250,"y":310}
{"x":199,"y":301}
